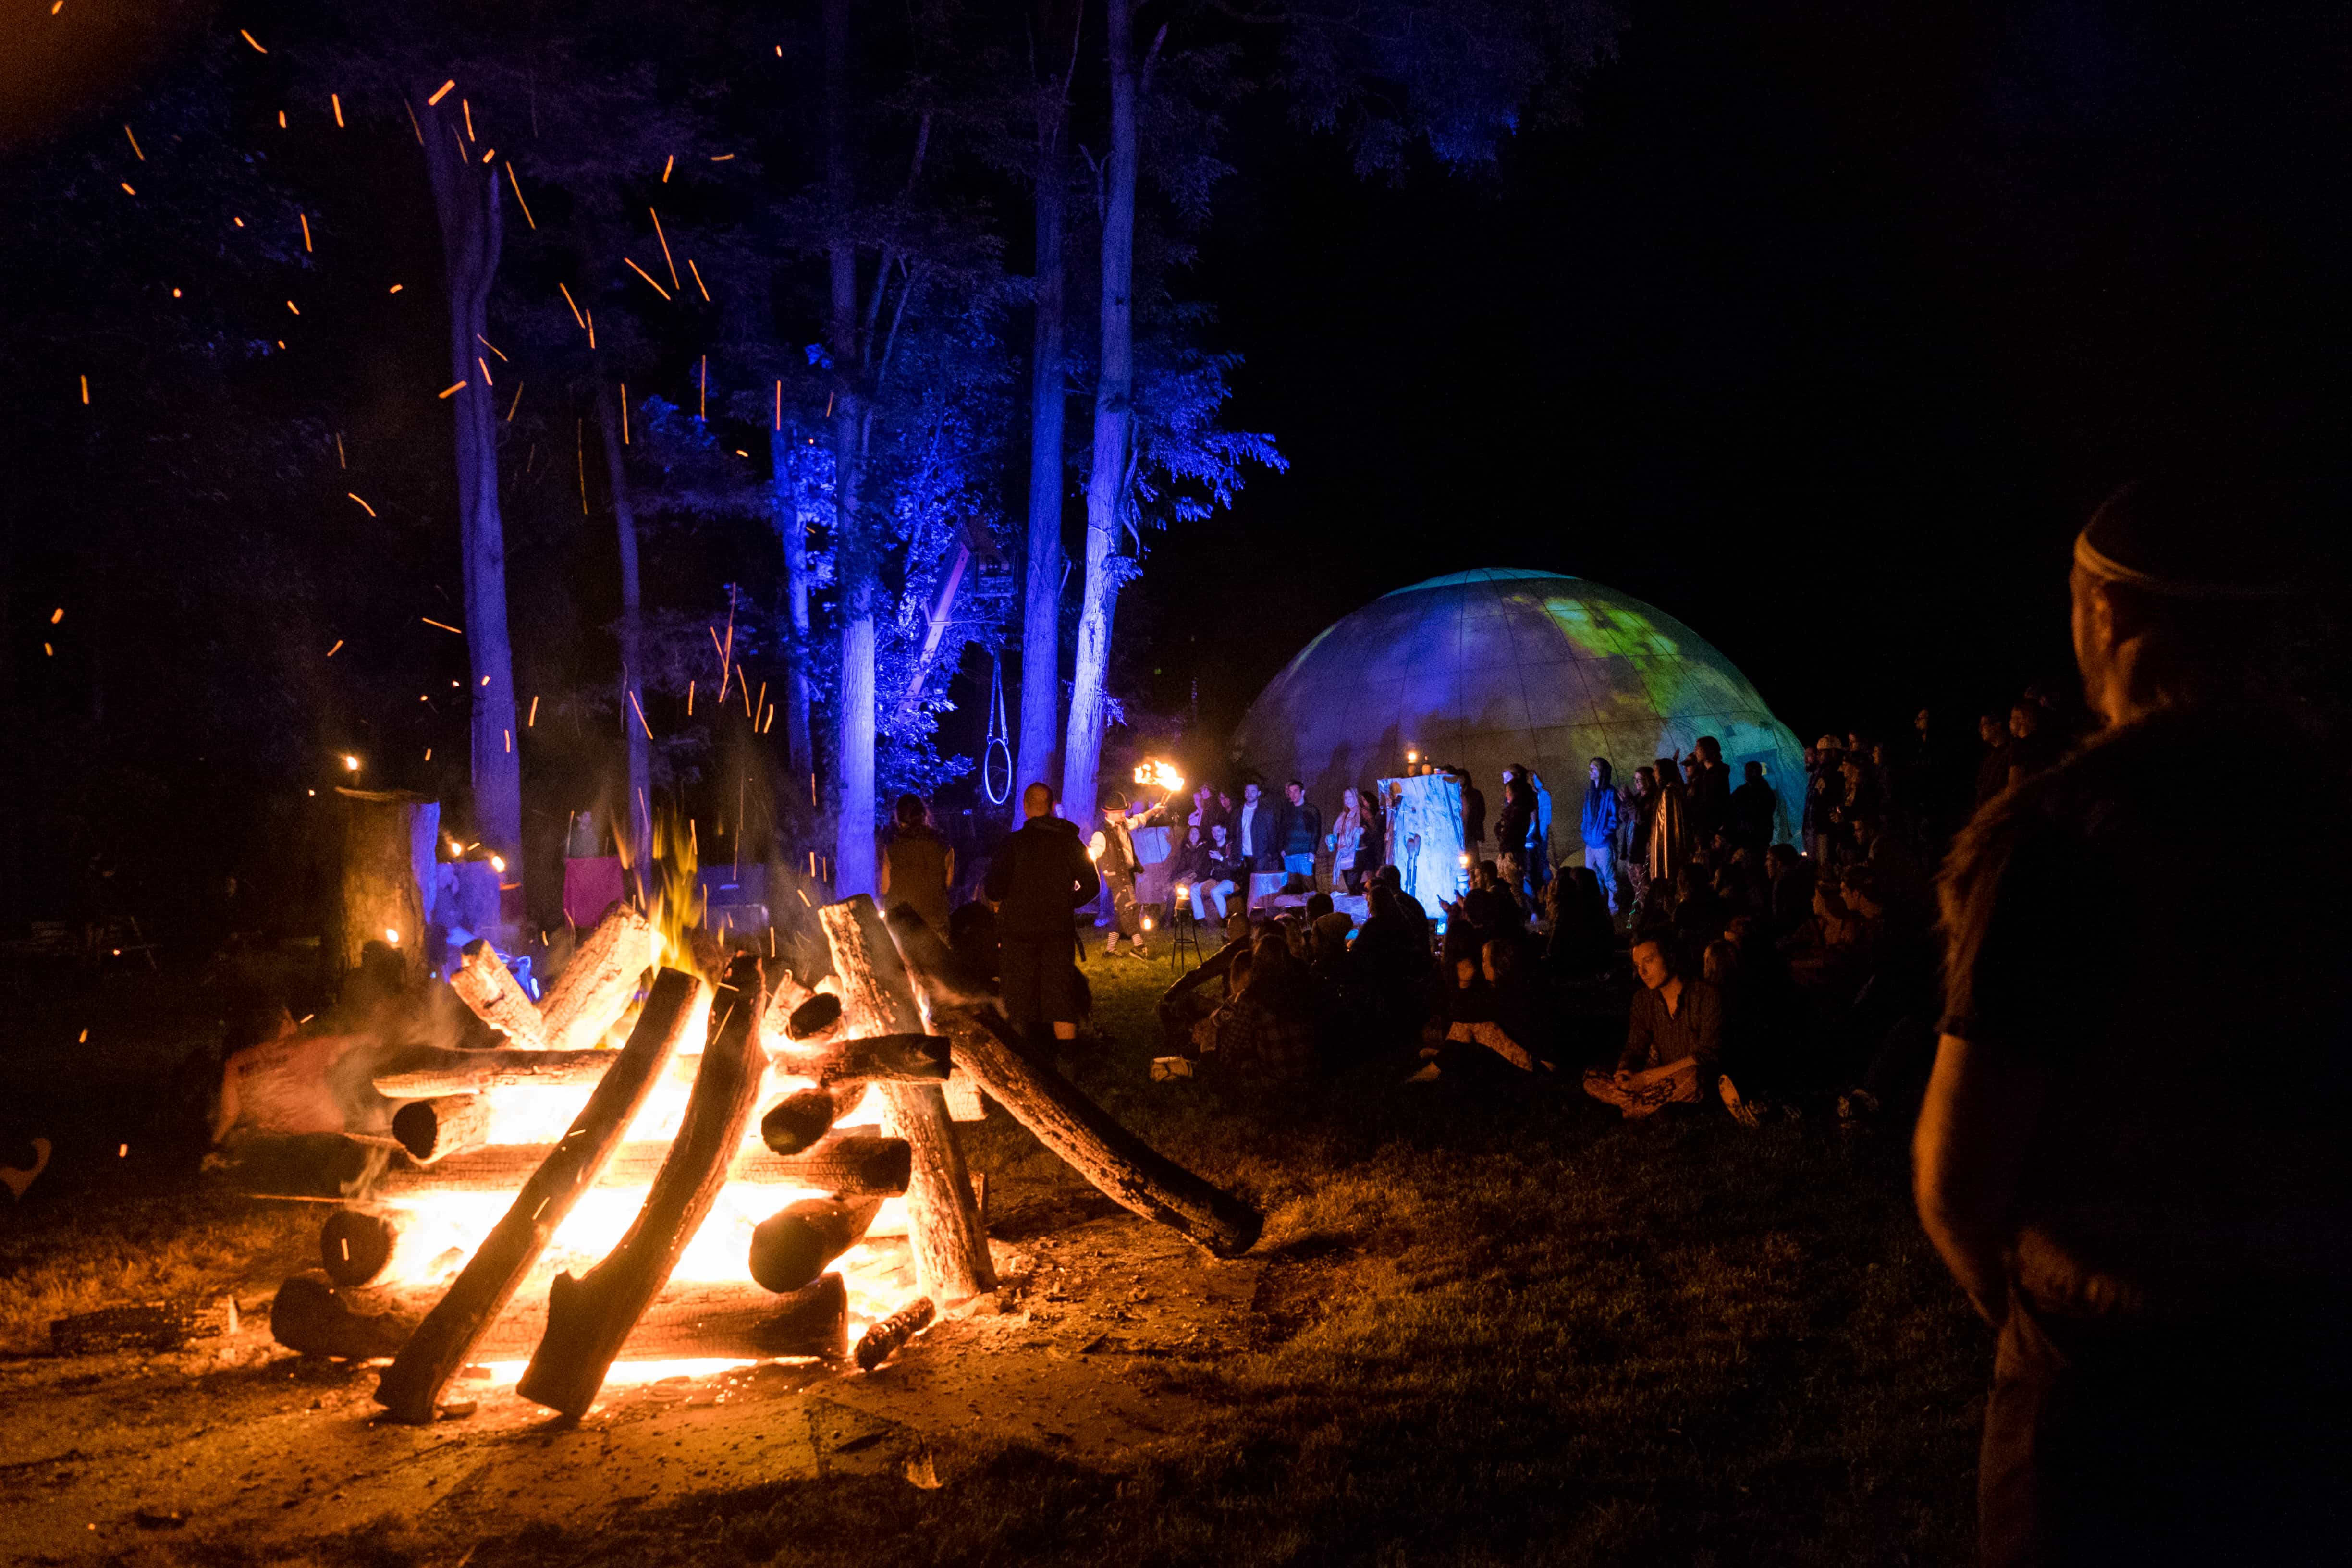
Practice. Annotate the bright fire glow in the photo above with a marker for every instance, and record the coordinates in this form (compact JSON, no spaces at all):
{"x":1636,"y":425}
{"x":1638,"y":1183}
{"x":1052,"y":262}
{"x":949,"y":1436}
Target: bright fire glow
{"x":351,"y":762}
{"x":626,"y":1373}
{"x":1157,"y":774}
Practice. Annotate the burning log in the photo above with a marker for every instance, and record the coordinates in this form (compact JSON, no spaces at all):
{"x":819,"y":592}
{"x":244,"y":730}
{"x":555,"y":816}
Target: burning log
{"x":881,"y":1341}
{"x":312,"y":1316}
{"x":858,"y":1163}
{"x":877,"y":1058}
{"x":796,"y":1123}
{"x":356,"y":1244}
{"x":1115,"y":1161}
{"x":484,"y":984}
{"x":951,"y":1246}
{"x":388,"y":848}
{"x":595,"y":987}
{"x":150,"y":1326}
{"x":785,"y":1001}
{"x":791,"y":1247}
{"x":433,"y":1130}
{"x":588,"y":1318}
{"x":428,"y":1073}
{"x":411,"y":1385}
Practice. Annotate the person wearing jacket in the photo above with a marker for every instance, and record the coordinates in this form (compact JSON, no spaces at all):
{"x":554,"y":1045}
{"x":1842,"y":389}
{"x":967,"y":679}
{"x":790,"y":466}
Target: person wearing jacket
{"x":1599,"y":828}
{"x":1512,"y":826}
{"x":1298,"y":830}
{"x":1039,"y":877}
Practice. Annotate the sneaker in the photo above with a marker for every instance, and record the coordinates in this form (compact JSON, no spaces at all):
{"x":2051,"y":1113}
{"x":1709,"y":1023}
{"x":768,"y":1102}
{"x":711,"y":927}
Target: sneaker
{"x":1741,"y":1112}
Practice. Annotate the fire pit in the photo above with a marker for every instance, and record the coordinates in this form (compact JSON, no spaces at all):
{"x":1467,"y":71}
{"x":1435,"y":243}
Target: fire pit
{"x":763,"y":1170}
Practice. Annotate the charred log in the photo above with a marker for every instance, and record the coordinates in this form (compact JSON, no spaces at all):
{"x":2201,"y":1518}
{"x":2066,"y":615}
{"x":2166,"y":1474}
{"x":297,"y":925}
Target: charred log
{"x":856,"y":1164}
{"x":311,"y":1314}
{"x":791,"y":1247}
{"x":595,"y":988}
{"x":1115,"y":1161}
{"x":951,"y":1246}
{"x":443,"y":1341}
{"x":589,"y":1318}
{"x":881,"y":1341}
{"x":433,"y":1130}
{"x":149,"y":1326}
{"x":796,"y":1123}
{"x":484,"y":985}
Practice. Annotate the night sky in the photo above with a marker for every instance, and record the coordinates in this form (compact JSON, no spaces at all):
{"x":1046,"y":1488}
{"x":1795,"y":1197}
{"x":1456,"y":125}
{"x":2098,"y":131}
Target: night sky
{"x":1823,"y":332}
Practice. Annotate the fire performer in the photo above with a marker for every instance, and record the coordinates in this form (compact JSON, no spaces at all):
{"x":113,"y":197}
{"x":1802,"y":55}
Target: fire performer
{"x":2162,"y":1238}
{"x":1040,"y":875}
{"x":1112,"y":849}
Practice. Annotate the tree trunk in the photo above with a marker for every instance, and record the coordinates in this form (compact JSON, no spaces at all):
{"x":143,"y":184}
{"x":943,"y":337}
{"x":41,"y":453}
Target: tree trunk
{"x":1119,"y":1164}
{"x":465,"y":200}
{"x":952,"y":1260}
{"x":388,"y":849}
{"x":412,"y":1387}
{"x":489,"y":989}
{"x":1107,"y":478}
{"x":638,"y":814}
{"x":853,"y":563}
{"x":788,"y":465}
{"x":1041,"y":619}
{"x":589,"y":1318}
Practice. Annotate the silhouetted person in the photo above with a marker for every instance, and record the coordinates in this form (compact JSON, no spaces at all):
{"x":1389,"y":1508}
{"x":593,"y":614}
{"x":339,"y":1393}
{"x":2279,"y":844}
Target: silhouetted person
{"x":1753,"y":807}
{"x":1992,"y":770}
{"x":918,"y":865}
{"x":1040,"y":877}
{"x":2132,"y":1152}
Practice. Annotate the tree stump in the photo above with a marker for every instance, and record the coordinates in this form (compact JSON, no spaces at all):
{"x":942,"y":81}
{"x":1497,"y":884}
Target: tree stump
{"x":389,"y":837}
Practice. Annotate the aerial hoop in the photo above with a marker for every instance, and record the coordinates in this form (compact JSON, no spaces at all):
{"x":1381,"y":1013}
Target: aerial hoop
{"x":1000,"y":739}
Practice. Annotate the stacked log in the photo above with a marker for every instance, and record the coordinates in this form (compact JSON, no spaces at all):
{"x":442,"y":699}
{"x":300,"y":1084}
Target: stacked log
{"x":595,"y":987}
{"x":855,"y":1162}
{"x":433,"y":1130}
{"x":313,"y":1316}
{"x":951,"y":1261}
{"x":484,"y":984}
{"x":589,"y":1318}
{"x":1117,"y":1161}
{"x":412,"y":1387}
{"x":792,"y":1247}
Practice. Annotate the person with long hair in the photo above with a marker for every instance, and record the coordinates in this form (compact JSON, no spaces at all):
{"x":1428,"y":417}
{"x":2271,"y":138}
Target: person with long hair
{"x":1355,"y":840}
{"x":918,"y":865}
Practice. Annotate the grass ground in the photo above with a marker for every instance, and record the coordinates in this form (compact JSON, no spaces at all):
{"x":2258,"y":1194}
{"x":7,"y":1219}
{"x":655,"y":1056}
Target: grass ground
{"x":1492,"y":1328}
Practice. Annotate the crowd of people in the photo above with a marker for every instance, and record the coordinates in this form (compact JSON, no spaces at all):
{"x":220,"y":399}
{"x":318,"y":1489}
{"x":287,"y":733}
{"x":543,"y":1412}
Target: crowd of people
{"x":1771,"y":959}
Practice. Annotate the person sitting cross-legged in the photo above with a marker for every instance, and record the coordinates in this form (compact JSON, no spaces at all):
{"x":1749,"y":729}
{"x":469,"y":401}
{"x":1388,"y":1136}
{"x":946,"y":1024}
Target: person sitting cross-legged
{"x":1671,"y":1041}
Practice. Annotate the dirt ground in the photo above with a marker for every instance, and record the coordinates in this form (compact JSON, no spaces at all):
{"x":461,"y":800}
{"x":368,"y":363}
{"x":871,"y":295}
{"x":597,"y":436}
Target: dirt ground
{"x":236,"y":1440}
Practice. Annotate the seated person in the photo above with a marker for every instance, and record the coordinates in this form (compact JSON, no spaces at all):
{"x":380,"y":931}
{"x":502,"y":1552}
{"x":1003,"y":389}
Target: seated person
{"x":1213,"y":875}
{"x":1494,"y":1015}
{"x":1184,"y":1006}
{"x":1267,"y":1031}
{"x":1790,"y":893}
{"x":1328,"y":930}
{"x":1672,"y":1040}
{"x":1583,"y":936}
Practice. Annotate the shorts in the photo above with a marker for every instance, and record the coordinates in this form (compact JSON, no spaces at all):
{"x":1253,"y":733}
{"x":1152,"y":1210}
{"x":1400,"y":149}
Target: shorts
{"x":1041,"y":980}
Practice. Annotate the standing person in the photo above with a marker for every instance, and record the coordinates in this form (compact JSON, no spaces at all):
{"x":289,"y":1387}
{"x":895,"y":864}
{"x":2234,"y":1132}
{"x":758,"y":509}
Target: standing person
{"x":1112,"y":849}
{"x":1252,"y":828}
{"x":2157,"y":1235}
{"x":1599,"y":828}
{"x":1824,"y":795}
{"x":1512,"y":824}
{"x":918,"y":865}
{"x":1299,"y":828}
{"x":1355,"y":841}
{"x":1539,"y":836}
{"x":1709,"y":790}
{"x":1038,"y":879}
{"x":1670,"y":835}
{"x":1473,"y":816}
{"x":1637,"y":814}
{"x":1753,"y":807}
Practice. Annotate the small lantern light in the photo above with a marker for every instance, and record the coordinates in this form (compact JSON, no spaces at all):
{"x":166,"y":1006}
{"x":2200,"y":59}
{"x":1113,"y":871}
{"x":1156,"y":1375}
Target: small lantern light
{"x":392,"y":936}
{"x":1147,"y":922}
{"x":351,"y":762}
{"x":497,"y":863}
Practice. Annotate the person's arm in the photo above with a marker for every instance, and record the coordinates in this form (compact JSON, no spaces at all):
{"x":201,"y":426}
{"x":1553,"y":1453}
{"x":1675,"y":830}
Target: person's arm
{"x":882,"y":874}
{"x":1979,"y":1114}
{"x":1707,"y":1021}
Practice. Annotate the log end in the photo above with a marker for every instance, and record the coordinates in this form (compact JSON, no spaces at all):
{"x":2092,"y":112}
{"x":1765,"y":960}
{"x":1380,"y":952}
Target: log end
{"x":796,"y":1124}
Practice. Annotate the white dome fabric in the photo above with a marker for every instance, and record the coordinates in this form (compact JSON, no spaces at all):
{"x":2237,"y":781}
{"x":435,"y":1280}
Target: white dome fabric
{"x":1488,"y":668}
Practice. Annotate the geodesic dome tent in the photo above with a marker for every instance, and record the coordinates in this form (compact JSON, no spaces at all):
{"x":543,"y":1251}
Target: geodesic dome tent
{"x":1485,"y":668}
